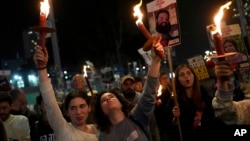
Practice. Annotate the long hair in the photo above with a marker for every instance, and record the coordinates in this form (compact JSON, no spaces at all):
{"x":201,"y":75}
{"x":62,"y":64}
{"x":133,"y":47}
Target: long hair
{"x":181,"y":92}
{"x":102,"y":120}
{"x":233,"y":42}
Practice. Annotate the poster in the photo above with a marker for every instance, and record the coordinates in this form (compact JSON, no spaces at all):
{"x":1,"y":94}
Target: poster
{"x":232,"y":39}
{"x":199,"y":66}
{"x":163,"y":19}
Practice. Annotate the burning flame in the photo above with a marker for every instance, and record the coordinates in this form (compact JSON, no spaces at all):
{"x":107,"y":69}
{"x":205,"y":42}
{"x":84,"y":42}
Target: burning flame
{"x":159,"y":91}
{"x":137,"y":12}
{"x":44,"y":8}
{"x":85,"y":71}
{"x":218,"y":17}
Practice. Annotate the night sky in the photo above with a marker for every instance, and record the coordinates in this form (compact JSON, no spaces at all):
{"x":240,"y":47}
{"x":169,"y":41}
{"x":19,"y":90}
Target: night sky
{"x":90,"y":30}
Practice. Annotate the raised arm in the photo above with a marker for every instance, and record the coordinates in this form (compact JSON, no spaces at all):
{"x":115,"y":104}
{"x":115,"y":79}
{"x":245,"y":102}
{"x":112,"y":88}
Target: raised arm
{"x":41,"y":58}
{"x":54,"y":114}
{"x":145,"y":107}
{"x":231,"y":112}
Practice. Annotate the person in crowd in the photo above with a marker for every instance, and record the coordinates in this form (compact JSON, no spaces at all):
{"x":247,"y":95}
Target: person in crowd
{"x":16,"y":126}
{"x":162,"y":101}
{"x":43,"y":130}
{"x":127,"y":86}
{"x":78,"y":82}
{"x":138,"y":84}
{"x":77,"y":106}
{"x":166,"y":90}
{"x":19,"y":107}
{"x":190,"y":115}
{"x":116,"y":120}
{"x":230,"y":111}
{"x":128,"y":83}
{"x":3,"y":134}
{"x":238,"y":57}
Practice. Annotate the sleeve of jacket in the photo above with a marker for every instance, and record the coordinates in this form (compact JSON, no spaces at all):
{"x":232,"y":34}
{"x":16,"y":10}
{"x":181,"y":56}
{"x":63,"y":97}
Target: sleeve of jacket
{"x":224,"y":106}
{"x":144,"y":109}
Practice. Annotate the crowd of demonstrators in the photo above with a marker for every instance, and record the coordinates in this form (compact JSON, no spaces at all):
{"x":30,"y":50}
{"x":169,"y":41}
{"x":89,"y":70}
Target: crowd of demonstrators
{"x":16,"y":126}
{"x":162,"y":101}
{"x":19,"y":106}
{"x":230,"y":111}
{"x":116,"y":120}
{"x":77,"y":105}
{"x":127,"y":113}
{"x":43,"y":130}
{"x":127,"y":86}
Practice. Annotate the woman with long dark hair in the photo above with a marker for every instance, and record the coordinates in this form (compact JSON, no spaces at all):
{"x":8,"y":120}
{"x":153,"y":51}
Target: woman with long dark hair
{"x":193,"y":107}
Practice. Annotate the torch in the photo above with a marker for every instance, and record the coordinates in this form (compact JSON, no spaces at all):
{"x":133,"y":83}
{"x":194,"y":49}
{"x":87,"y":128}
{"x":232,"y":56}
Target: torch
{"x":217,"y":38}
{"x":158,"y":96}
{"x":42,"y":28}
{"x":216,"y":34}
{"x":87,"y":80}
{"x":143,"y":29}
{"x":159,"y":91}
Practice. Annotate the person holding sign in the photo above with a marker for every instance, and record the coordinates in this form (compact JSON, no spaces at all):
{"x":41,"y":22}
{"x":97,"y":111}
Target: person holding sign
{"x":193,"y":107}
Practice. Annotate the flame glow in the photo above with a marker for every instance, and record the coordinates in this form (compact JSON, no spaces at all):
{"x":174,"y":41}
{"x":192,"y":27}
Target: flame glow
{"x":218,"y":17}
{"x":138,"y":13}
{"x":85,"y":71}
{"x":159,"y":91}
{"x":44,"y":8}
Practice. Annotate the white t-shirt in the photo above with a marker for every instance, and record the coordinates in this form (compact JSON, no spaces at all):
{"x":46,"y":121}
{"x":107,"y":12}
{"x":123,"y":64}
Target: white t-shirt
{"x":17,"y":128}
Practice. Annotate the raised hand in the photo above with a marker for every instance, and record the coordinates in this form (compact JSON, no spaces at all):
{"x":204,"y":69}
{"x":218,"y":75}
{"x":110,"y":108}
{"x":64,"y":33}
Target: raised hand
{"x":176,"y":111}
{"x":40,"y":57}
{"x":152,"y":43}
{"x":223,"y":71}
{"x":157,"y":48}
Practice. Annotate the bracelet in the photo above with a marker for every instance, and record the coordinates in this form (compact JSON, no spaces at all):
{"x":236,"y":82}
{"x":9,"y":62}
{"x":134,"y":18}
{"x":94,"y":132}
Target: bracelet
{"x":42,"y":68}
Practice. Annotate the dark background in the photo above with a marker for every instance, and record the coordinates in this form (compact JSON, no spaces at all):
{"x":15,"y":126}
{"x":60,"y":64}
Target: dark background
{"x":89,"y":30}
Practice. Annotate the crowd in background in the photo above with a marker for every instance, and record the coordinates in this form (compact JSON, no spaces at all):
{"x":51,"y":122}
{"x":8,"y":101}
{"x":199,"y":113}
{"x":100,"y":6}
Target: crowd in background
{"x":153,"y":107}
{"x":143,"y":108}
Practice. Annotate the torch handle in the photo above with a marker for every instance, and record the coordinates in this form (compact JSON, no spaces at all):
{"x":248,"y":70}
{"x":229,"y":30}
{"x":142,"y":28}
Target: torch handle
{"x":174,"y":90}
{"x":42,"y":43}
{"x":89,"y":86}
{"x":220,"y":51}
{"x":144,"y":30}
{"x":218,"y":44}
{"x":42,"y":23}
{"x":42,"y":39}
